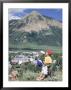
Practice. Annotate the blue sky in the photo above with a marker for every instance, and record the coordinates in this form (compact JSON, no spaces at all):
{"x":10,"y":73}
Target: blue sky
{"x":54,"y":13}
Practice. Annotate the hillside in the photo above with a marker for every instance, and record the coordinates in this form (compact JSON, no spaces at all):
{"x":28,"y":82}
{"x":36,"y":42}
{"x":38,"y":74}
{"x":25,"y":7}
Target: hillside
{"x":34,"y":30}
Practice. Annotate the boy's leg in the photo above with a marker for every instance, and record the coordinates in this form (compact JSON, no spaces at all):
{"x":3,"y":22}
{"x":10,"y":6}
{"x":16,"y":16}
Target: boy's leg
{"x":40,"y":75}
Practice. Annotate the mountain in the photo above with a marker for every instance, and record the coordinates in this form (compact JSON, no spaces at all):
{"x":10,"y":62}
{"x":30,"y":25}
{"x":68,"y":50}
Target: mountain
{"x":35,"y":29}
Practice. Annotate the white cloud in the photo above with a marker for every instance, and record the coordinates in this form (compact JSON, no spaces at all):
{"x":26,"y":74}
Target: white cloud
{"x":12,"y":11}
{"x":13,"y":17}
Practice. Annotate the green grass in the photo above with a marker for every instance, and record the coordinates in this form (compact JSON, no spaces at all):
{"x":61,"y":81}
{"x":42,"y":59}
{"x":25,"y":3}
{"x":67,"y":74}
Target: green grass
{"x":31,"y":76}
{"x":56,"y":77}
{"x":30,"y":46}
{"x":28,"y":72}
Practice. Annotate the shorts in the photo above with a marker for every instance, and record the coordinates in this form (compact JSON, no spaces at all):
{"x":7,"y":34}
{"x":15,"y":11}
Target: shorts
{"x":45,"y":70}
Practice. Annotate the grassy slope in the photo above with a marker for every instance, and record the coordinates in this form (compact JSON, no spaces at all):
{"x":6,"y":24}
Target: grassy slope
{"x":36,"y":47}
{"x":28,"y":72}
{"x":31,"y":76}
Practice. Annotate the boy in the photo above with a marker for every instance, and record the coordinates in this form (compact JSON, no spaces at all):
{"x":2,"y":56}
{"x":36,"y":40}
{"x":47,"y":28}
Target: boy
{"x":44,"y":72}
{"x":46,"y":63}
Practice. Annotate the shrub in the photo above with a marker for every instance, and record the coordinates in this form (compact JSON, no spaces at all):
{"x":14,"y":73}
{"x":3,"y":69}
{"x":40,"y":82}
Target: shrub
{"x":58,"y":63}
{"x":29,"y":75}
